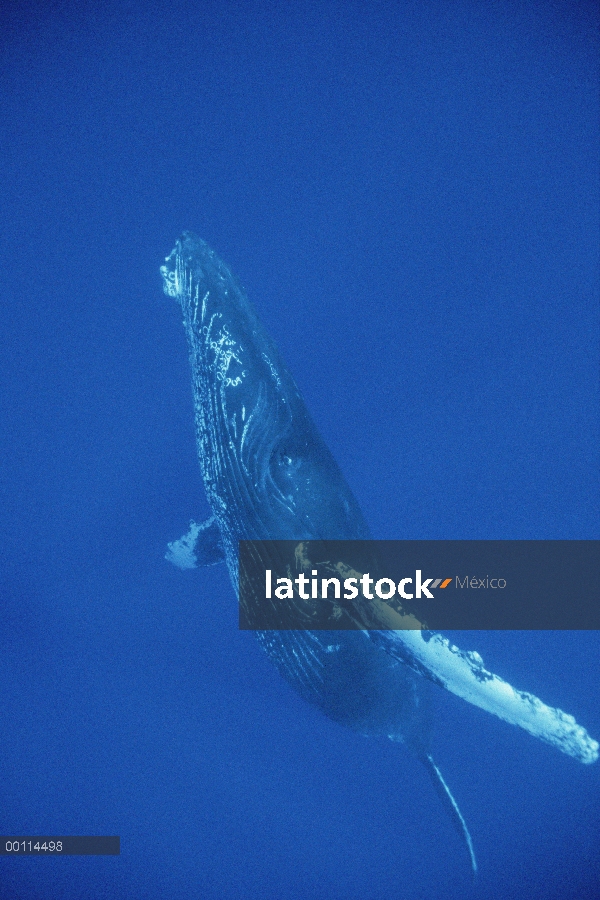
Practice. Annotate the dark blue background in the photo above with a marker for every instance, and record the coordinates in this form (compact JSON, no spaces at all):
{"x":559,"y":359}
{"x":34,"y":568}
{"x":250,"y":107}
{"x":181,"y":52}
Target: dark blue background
{"x":409,"y":192}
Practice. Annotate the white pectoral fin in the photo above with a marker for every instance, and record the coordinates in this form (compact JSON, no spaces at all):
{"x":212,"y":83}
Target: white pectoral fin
{"x":464,"y":675}
{"x":200,"y":546}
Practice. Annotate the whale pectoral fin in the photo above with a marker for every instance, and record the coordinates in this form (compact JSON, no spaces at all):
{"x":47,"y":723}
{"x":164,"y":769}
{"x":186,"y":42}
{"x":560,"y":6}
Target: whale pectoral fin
{"x":464,"y":674}
{"x":200,"y":546}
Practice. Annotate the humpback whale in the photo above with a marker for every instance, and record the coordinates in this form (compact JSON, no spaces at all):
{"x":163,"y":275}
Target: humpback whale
{"x":268,"y":475}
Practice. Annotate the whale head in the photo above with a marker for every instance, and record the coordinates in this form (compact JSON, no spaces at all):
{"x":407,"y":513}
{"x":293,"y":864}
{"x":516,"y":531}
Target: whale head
{"x":267,"y":472}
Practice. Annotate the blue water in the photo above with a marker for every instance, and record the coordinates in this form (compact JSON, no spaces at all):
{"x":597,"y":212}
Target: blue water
{"x":409,"y":193}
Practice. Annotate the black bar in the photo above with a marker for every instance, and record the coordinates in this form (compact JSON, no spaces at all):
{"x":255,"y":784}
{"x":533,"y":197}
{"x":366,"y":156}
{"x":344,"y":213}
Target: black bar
{"x":53,"y":845}
{"x":429,"y":585}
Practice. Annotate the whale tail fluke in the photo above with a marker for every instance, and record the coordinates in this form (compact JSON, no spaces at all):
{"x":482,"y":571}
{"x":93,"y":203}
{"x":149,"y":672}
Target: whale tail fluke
{"x":450,"y":805}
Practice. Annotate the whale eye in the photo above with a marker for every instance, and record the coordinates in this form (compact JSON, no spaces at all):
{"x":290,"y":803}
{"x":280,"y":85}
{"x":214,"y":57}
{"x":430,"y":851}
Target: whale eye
{"x":285,"y":462}
{"x":289,"y":463}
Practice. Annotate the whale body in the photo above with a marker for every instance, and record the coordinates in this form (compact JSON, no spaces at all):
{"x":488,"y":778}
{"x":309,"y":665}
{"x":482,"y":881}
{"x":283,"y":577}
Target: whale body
{"x":268,"y":475}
